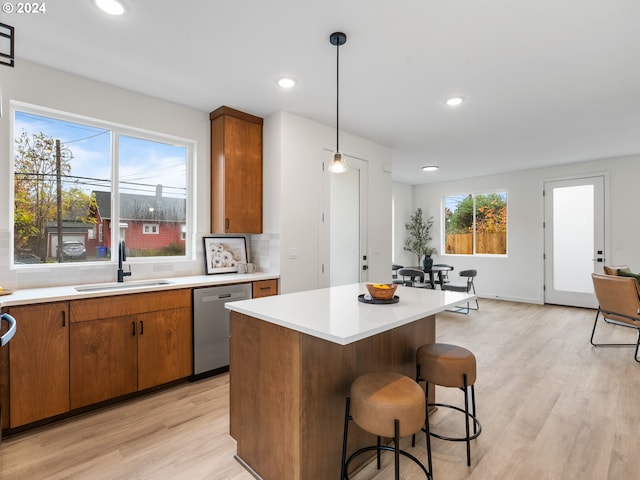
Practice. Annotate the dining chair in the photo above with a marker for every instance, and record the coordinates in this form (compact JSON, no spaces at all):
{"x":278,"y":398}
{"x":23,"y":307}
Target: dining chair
{"x":444,"y":274}
{"x":468,"y":287}
{"x":394,"y":274}
{"x":413,"y":277}
{"x":618,"y":304}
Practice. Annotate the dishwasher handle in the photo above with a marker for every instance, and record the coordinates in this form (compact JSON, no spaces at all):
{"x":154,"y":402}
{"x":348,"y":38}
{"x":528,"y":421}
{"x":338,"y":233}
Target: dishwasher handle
{"x":223,"y":297}
{"x":4,"y":339}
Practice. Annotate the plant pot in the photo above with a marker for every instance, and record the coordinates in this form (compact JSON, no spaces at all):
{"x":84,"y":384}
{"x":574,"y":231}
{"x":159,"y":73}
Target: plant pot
{"x":427,"y":263}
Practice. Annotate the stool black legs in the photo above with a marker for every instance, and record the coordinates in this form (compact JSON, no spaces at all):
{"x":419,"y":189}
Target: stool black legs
{"x":343,"y":471}
{"x":477,"y":428}
{"x":470,"y":414}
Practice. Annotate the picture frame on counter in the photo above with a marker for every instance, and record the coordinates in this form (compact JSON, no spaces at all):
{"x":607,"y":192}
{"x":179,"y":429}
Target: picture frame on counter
{"x":222,"y":254}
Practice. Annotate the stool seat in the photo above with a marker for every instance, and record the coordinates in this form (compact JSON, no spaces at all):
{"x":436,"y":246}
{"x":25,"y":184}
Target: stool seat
{"x":377,"y":399}
{"x":445,"y":365}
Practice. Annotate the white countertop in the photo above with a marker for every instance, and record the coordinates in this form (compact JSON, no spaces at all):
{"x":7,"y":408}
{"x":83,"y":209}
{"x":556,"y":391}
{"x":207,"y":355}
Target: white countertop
{"x":52,"y":294}
{"x":336,"y":315}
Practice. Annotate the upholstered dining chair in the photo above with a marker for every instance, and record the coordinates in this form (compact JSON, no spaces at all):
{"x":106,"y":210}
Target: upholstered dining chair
{"x":619,"y":304}
{"x":468,"y":287}
{"x":413,"y":277}
{"x":394,"y":273}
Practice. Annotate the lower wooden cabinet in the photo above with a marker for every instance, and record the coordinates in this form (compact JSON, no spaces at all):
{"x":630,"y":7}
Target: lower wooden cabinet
{"x":139,"y":341}
{"x":164,"y":347}
{"x":264,"y":288}
{"x":71,"y":354}
{"x":103,"y":360}
{"x":39,"y":363}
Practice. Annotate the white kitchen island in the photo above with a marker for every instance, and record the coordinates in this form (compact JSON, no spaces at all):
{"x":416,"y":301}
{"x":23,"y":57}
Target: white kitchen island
{"x":293,"y":358}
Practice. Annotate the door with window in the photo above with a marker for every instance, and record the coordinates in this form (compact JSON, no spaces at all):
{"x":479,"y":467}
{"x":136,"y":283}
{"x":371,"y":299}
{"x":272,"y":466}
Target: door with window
{"x":344,"y":224}
{"x":574,"y":239}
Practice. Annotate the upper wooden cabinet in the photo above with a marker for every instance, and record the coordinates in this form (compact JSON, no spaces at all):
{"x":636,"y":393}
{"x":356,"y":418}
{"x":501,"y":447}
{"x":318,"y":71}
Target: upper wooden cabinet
{"x":236,"y":172}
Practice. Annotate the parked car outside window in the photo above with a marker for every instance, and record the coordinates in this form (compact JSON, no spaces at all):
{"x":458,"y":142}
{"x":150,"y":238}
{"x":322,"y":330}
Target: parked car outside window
{"x":73,"y":249}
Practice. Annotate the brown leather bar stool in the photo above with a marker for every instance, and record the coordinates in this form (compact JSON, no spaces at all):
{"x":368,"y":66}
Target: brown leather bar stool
{"x":386,"y":404}
{"x":449,"y":366}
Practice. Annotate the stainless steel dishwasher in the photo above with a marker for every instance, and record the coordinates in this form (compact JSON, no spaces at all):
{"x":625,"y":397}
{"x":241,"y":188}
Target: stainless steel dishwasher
{"x":211,"y":326}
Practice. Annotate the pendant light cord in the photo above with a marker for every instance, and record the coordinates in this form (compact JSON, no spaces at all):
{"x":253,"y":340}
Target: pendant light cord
{"x":338,"y":96}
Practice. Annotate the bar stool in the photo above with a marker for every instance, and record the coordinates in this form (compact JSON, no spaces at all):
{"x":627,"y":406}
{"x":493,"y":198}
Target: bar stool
{"x":449,"y":366}
{"x":386,"y":404}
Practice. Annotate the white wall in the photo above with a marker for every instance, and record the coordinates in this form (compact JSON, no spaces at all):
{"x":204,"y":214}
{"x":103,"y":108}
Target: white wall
{"x":54,"y":89}
{"x":296,"y":207}
{"x":520,"y":275}
{"x":403,"y":206}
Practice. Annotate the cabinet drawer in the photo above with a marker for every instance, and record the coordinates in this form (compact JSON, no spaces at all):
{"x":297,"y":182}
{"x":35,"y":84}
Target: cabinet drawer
{"x":265,"y":288}
{"x":131,"y":304}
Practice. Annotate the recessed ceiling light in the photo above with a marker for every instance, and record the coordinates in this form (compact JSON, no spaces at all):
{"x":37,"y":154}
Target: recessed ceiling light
{"x":287,"y":82}
{"x":454,"y":101}
{"x":112,"y":7}
{"x":430,"y":168}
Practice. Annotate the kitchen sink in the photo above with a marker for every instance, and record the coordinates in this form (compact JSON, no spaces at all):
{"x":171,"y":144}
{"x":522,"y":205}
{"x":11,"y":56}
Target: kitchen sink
{"x":122,"y":286}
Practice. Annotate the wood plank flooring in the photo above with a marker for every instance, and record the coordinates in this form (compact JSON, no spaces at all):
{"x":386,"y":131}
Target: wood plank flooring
{"x":551,"y":407}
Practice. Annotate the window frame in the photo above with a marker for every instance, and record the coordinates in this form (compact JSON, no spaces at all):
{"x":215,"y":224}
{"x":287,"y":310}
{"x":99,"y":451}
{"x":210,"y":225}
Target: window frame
{"x":151,"y":229}
{"x":116,"y":129}
{"x":475,"y":194}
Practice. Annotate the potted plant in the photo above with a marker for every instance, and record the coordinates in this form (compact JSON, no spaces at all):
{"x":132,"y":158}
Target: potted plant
{"x":419,"y":237}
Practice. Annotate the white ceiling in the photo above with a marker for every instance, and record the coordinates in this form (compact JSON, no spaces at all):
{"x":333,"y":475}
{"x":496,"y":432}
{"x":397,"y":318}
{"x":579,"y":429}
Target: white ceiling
{"x":545,"y":81}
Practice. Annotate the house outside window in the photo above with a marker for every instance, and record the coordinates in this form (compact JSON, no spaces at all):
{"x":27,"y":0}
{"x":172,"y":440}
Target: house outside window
{"x":475,"y":224}
{"x":63,"y":167}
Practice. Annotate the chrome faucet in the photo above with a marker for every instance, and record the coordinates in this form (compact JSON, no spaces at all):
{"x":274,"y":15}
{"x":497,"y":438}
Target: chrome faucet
{"x":122,"y":256}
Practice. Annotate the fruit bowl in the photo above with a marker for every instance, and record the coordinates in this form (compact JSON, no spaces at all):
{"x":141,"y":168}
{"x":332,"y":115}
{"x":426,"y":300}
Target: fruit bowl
{"x":381,"y":291}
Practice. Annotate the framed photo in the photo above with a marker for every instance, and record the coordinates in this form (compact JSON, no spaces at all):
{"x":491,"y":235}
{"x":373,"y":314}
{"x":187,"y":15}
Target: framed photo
{"x":223,"y":254}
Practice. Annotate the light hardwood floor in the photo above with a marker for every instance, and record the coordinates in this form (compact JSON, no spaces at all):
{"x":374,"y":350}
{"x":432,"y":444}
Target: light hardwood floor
{"x":551,"y":407}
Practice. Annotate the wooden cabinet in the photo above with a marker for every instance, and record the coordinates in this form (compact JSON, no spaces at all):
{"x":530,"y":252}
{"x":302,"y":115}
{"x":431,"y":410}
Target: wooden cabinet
{"x":264,"y":288}
{"x":103,"y":360}
{"x":236,"y":172}
{"x":39,"y":363}
{"x":127,"y":343}
{"x":164,"y":346}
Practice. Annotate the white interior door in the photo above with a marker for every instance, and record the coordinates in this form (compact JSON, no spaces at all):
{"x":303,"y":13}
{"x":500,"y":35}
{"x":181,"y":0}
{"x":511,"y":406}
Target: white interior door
{"x":345,"y":224}
{"x":574,"y":239}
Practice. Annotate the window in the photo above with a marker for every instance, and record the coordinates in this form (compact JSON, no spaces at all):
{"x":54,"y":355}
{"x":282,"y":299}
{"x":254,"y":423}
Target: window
{"x":149,"y":228}
{"x":476,"y":224}
{"x":63,"y":188}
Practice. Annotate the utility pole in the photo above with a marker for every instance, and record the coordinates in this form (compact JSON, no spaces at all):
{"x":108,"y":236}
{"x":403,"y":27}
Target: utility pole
{"x":59,"y":200}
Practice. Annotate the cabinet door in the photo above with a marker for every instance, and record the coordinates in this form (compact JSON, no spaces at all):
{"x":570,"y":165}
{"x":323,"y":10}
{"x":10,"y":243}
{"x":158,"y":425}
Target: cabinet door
{"x":236,"y":172}
{"x":243,"y":165}
{"x":103,"y":359}
{"x":164,"y":347}
{"x":39,"y":363}
{"x":265,"y":288}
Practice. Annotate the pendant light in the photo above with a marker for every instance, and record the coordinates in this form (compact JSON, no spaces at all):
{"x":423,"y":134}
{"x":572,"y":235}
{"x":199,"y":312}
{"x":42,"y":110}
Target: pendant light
{"x":339,"y":165}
